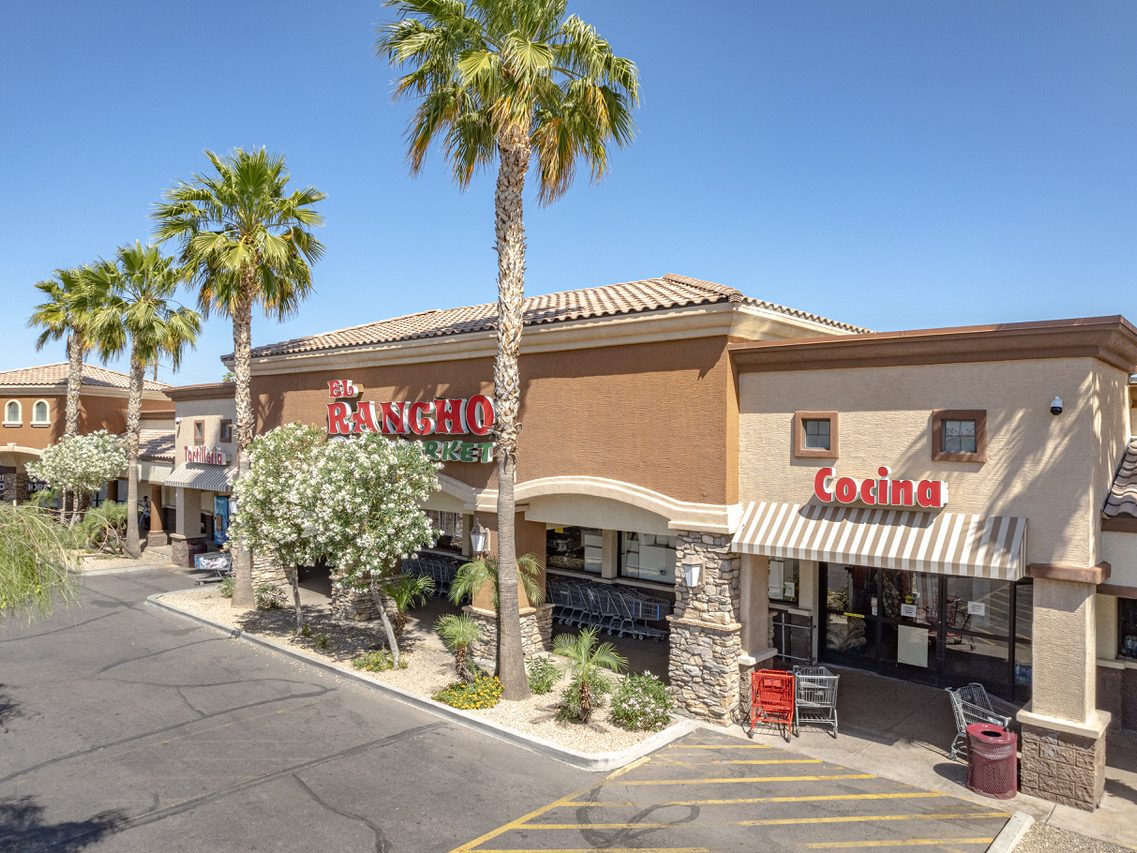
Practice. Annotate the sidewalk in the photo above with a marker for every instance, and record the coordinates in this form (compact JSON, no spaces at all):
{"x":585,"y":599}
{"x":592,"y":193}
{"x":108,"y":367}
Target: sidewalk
{"x":155,"y":557}
{"x":903,"y":730}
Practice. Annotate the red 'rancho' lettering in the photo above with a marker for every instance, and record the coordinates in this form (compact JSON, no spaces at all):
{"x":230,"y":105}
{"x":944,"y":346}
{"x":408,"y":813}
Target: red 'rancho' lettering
{"x":883,"y":491}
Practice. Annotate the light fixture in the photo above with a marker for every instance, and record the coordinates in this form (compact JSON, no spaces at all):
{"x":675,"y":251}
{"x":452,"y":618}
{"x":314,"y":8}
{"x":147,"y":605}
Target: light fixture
{"x":691,"y":568}
{"x":1056,"y":406}
{"x":479,"y":539}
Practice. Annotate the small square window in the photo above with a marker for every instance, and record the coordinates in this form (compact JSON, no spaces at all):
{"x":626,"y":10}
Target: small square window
{"x":815,"y":435}
{"x":199,"y":432}
{"x":959,"y":435}
{"x":226,"y":431}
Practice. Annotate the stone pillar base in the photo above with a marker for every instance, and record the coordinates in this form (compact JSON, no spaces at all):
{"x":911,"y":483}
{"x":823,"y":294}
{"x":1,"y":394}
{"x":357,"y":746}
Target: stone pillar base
{"x":1063,"y":763}
{"x":267,"y":571}
{"x":158,"y":538}
{"x":703,"y":668}
{"x":182,"y":549}
{"x":536,"y":633}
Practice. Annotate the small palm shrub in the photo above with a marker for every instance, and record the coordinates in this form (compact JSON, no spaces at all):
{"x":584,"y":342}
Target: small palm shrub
{"x":226,"y":587}
{"x":379,"y":661}
{"x":483,"y":691}
{"x":588,"y":685}
{"x":103,"y":528}
{"x":543,"y":674}
{"x":268,"y":597}
{"x":472,"y":576}
{"x":641,"y":703}
{"x":458,"y":633}
{"x":407,"y":592}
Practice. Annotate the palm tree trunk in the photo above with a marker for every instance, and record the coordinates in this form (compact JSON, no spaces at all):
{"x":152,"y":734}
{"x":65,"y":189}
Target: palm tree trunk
{"x":460,"y":663}
{"x":133,"y":420}
{"x":74,"y":384}
{"x":381,"y":605}
{"x":510,"y":227}
{"x":242,"y":343}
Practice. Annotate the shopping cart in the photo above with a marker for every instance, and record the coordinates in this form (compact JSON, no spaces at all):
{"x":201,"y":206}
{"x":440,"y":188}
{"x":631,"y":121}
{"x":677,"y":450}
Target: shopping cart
{"x":772,"y":700}
{"x":815,"y":697}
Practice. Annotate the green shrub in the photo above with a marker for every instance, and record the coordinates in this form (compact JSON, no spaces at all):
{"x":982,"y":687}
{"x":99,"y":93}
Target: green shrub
{"x":379,"y":661}
{"x":226,"y":587}
{"x":577,"y":704}
{"x":269,"y":597}
{"x":322,"y":642}
{"x":103,"y":528}
{"x":641,"y":703}
{"x":543,"y":674}
{"x":484,"y":691}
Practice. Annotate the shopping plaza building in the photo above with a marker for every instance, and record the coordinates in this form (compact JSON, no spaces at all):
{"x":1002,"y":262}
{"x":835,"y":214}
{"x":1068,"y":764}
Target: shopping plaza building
{"x":942,"y":506}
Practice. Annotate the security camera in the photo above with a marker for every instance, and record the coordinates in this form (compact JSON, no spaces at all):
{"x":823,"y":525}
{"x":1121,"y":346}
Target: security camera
{"x":1056,"y":406}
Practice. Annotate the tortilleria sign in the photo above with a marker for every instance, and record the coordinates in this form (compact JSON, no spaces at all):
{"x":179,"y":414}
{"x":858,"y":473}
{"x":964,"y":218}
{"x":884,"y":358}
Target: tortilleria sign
{"x":883,"y":491}
{"x":453,"y":416}
{"x":203,"y":454}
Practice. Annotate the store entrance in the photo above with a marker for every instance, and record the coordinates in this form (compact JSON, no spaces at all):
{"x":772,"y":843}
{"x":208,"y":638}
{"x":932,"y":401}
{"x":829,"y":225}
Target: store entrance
{"x":935,"y":629}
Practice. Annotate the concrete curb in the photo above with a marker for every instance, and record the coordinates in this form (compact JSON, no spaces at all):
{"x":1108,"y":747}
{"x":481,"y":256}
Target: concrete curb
{"x":596,"y":761}
{"x":1012,"y":833}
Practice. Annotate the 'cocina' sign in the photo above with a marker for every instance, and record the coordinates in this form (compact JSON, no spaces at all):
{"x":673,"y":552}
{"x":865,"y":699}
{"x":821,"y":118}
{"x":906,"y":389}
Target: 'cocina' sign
{"x":927,"y":494}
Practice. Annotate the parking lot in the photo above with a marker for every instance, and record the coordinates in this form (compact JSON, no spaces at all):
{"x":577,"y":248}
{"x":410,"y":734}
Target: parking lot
{"x":711,"y":792}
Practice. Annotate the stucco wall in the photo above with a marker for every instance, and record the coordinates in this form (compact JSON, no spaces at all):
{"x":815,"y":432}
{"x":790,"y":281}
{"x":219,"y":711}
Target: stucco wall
{"x":1054,"y":471}
{"x":211,"y":412}
{"x":655,"y":414}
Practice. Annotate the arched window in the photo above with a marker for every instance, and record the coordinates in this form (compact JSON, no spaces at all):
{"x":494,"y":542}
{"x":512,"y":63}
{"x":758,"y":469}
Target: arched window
{"x":13,"y":413}
{"x":41,"y":413}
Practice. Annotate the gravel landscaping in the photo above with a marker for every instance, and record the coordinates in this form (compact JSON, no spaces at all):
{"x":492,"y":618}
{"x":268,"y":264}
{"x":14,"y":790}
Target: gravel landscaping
{"x":430,"y":666}
{"x":1044,"y":838}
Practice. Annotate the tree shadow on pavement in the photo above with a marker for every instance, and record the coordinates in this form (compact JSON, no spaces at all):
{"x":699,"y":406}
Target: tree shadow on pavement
{"x":9,"y":708}
{"x":328,"y":635}
{"x":22,"y":827}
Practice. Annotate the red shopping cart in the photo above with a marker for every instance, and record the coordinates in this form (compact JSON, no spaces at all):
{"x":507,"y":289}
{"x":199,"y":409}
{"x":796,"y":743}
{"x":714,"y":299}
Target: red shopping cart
{"x":772,"y":700}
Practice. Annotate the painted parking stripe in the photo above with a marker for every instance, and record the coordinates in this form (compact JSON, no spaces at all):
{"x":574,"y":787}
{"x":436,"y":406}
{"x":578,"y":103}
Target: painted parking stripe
{"x":745,"y":780}
{"x":515,"y":824}
{"x":719,"y":746}
{"x":874,"y":818}
{"x":810,"y":798}
{"x":722,"y":761}
{"x":899,"y":842}
{"x":595,"y":849}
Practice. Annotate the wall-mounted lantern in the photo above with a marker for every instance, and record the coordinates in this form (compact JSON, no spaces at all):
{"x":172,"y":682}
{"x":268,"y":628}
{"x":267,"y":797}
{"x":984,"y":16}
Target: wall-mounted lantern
{"x":479,"y":539}
{"x":692,"y":566}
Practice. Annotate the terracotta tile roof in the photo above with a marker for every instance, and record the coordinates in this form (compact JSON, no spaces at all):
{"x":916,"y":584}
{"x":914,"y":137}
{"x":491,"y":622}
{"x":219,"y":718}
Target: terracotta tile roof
{"x":1122,"y":498}
{"x":156,"y":444}
{"x":631,"y":297}
{"x":56,"y":374}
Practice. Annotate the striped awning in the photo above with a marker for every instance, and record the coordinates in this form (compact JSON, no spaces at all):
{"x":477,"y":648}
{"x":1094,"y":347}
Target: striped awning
{"x":196,"y":475}
{"x":946,"y":543}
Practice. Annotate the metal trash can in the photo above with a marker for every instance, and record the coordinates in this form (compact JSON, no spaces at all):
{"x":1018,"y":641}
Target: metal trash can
{"x":992,"y":761}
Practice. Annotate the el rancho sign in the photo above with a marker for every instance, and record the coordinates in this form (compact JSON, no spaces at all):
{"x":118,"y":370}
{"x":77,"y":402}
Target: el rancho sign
{"x":882,"y":491}
{"x":425,"y":419}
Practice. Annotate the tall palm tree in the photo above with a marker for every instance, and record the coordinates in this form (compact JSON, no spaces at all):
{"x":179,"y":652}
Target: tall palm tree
{"x":60,"y":315}
{"x":247,"y":241}
{"x":506,"y":81}
{"x":140,"y":315}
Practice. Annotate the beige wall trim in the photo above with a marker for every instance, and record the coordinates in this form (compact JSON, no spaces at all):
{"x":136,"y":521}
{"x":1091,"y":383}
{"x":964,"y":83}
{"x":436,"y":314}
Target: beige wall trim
{"x":1109,"y":339}
{"x":1120,"y":524}
{"x":84,"y":391}
{"x":209,"y":391}
{"x":1074,"y":574}
{"x":16,"y":448}
{"x":1092,"y":728}
{"x":681,"y":515}
{"x":463,"y":492}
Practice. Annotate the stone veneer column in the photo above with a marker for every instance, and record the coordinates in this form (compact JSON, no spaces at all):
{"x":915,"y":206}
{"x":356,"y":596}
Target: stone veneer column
{"x":536,"y":633}
{"x":1063,"y":732}
{"x":267,"y":571}
{"x":706,"y":636}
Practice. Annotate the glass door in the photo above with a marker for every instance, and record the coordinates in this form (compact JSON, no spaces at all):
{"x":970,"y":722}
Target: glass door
{"x":909,"y":624}
{"x":851,"y":607}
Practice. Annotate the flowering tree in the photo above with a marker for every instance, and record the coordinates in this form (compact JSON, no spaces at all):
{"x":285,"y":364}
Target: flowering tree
{"x":369,"y":514}
{"x":80,"y":463}
{"x":35,"y":562}
{"x":276,"y":500}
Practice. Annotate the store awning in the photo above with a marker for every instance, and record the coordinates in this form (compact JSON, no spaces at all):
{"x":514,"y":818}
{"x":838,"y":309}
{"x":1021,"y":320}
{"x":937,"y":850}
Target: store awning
{"x":196,"y":475}
{"x":946,"y":543}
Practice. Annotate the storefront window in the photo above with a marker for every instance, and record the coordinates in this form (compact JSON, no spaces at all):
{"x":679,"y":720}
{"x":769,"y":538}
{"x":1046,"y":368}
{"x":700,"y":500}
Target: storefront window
{"x":977,"y":629}
{"x":576,"y":549}
{"x":1127,"y":627}
{"x":784,"y":581}
{"x":648,"y":557}
{"x":449,"y":527}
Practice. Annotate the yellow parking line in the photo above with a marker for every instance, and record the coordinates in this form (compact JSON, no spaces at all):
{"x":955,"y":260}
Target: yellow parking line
{"x":615,"y":804}
{"x":811,"y":798}
{"x":514,"y":824}
{"x":869,"y":818}
{"x":629,"y":767}
{"x":559,"y":826}
{"x":723,"y":761}
{"x":742,"y":780}
{"x":899,"y":842}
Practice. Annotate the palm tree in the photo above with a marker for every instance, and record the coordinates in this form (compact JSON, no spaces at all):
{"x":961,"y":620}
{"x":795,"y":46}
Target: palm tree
{"x":139,"y":314}
{"x":458,"y":633}
{"x":587,"y":659}
{"x":405,"y":592}
{"x":474,"y":575}
{"x":508,"y":80}
{"x":247,"y":241}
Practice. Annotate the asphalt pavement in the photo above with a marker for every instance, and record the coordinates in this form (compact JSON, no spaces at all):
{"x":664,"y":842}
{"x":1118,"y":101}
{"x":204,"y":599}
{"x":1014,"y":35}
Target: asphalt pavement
{"x":126,"y":728}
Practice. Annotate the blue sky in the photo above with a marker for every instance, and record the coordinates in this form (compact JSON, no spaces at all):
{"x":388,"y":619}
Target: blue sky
{"x":893,"y":164}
